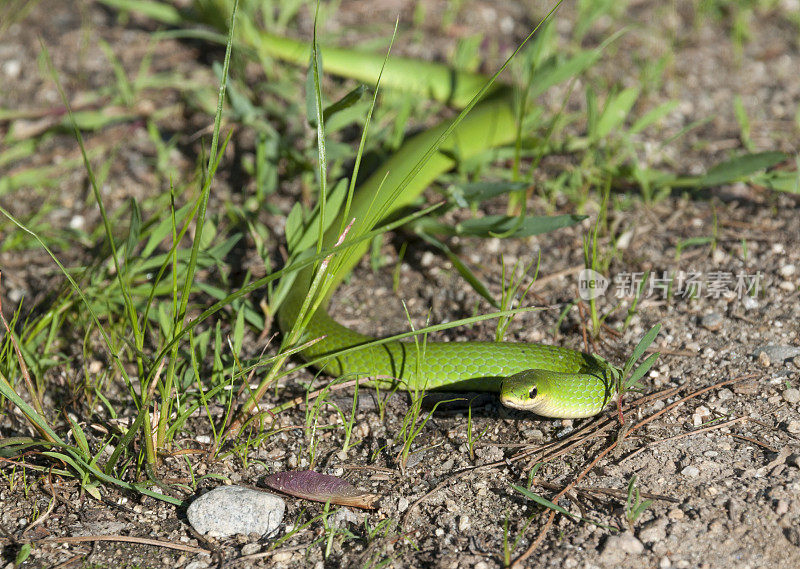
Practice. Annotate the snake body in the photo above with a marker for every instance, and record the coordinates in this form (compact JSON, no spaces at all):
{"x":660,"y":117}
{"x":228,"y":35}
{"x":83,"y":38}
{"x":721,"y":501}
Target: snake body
{"x":548,"y":380}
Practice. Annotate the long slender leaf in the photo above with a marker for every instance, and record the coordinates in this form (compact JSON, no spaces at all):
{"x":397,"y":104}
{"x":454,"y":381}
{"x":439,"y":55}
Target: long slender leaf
{"x":640,"y":348}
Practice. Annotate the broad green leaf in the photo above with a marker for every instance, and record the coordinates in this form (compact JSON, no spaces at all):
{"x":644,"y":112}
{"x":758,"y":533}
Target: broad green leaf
{"x":531,"y":225}
{"x":740,"y":167}
{"x":616,"y":111}
{"x":653,"y":116}
{"x":7,"y":391}
{"x":134,"y":232}
{"x":93,"y":489}
{"x":345,"y":102}
{"x":640,"y":348}
{"x":238,"y":332}
{"x":556,"y":70}
{"x":313,"y":87}
{"x":162,"y":231}
{"x":542,"y":501}
{"x":639,"y":372}
{"x":465,"y":194}
{"x":294,"y":226}
{"x":159,"y":11}
{"x":780,"y":181}
{"x":23,"y":554}
{"x":79,"y":435}
{"x":491,"y":225}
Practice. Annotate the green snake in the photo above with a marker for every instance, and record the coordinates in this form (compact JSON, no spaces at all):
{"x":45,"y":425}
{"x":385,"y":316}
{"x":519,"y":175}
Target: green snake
{"x":548,"y":380}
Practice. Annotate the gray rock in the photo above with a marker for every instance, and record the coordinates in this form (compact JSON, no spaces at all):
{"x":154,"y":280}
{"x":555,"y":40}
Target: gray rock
{"x":344,"y":516}
{"x":690,"y":471}
{"x":777,"y":354}
{"x":251,"y":548}
{"x":619,"y":546}
{"x":630,"y":544}
{"x":231,"y":510}
{"x":402,"y":504}
{"x":791,"y":395}
{"x":654,"y":531}
{"x":749,"y":303}
{"x":711,"y":321}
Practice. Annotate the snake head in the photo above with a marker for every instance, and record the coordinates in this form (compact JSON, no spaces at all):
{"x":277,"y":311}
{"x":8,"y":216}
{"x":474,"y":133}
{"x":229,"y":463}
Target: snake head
{"x":556,"y":394}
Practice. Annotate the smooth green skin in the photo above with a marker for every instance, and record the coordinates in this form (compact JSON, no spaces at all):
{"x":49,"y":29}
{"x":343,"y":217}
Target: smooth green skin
{"x":423,"y":78}
{"x":549,"y":380}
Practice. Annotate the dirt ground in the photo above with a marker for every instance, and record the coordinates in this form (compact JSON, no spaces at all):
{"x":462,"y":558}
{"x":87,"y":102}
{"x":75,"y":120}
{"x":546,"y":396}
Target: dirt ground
{"x":722,"y":467}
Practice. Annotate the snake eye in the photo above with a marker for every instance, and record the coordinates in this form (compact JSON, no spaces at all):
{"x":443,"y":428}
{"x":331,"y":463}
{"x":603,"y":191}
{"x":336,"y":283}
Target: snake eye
{"x":532,"y":393}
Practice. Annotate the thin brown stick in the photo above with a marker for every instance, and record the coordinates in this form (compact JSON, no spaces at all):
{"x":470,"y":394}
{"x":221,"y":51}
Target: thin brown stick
{"x":615,"y":492}
{"x":756,"y":442}
{"x":127,"y":539}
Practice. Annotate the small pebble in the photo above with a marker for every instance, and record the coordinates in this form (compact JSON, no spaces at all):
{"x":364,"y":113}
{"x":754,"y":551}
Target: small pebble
{"x":787,"y":270}
{"x":464,"y":524}
{"x":700,"y":414}
{"x":402,"y":504}
{"x":344,"y":516}
{"x":231,"y":510}
{"x":691,"y":471}
{"x":653,"y":531}
{"x":776,"y":353}
{"x":724,"y":394}
{"x":791,"y":395}
{"x":78,"y":222}
{"x":251,"y":548}
{"x":749,"y":303}
{"x":676,"y":514}
{"x":711,"y":321}
{"x":282,"y":557}
{"x":626,"y":542}
{"x":788,"y":286}
{"x":793,"y":427}
{"x":12,"y":68}
{"x":665,"y":563}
